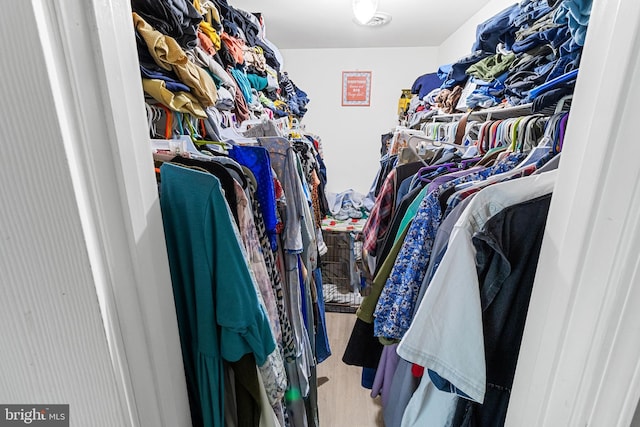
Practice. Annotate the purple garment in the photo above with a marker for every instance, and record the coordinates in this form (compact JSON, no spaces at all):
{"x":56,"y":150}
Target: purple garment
{"x":560,"y":139}
{"x":384,"y":375}
{"x":437,"y":182}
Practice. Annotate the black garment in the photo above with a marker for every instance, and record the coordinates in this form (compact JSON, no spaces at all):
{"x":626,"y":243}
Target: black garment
{"x":322,"y":174}
{"x":443,"y":198}
{"x":406,"y":171}
{"x":237,"y":23}
{"x":247,"y":391}
{"x":307,"y":154}
{"x":144,"y":56}
{"x":296,"y":99}
{"x":252,"y":33}
{"x":447,"y":156}
{"x":385,"y":140}
{"x":225,"y":58}
{"x":363,"y":348}
{"x":176,"y":18}
{"x":221,"y":173}
{"x":519,"y":83}
{"x":253,"y":70}
{"x":551,"y":98}
{"x":272,"y":94}
{"x":386,"y":166}
{"x":507,"y":256}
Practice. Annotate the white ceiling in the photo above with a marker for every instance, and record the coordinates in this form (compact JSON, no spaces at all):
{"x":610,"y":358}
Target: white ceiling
{"x":304,"y":24}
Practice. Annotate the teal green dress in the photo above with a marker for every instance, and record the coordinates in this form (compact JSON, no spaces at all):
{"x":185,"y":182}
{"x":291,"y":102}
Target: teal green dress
{"x":219,"y":314}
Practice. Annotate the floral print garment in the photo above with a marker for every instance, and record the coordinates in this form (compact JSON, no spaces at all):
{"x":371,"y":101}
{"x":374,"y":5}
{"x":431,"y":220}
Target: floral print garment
{"x":396,"y":304}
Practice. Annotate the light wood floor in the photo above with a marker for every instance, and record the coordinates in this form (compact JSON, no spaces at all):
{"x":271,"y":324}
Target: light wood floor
{"x":342,"y":401}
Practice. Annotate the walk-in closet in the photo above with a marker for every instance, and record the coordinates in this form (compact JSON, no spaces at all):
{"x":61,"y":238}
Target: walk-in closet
{"x":333,"y":214}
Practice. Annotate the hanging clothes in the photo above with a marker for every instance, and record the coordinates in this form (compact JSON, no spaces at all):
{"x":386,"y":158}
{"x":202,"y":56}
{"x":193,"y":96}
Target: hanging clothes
{"x":204,"y":251}
{"x":262,"y":371}
{"x":396,"y":302}
{"x":452,"y":302}
{"x":508,"y":249}
{"x":437,"y":199}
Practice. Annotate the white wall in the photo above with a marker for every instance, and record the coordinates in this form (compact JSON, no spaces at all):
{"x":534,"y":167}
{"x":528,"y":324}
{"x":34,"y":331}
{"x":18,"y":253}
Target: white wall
{"x":579,"y":363}
{"x":54,"y":346}
{"x":351,"y":135}
{"x":459,"y":43}
{"x":87,"y":313}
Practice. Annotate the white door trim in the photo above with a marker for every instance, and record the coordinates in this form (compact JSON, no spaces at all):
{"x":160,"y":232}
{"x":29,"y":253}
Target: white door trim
{"x":94,"y":73}
{"x":579,"y":357}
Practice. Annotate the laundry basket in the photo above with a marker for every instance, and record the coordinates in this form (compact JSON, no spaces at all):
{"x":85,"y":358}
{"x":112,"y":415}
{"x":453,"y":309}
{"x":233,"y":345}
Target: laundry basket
{"x":341,"y":281}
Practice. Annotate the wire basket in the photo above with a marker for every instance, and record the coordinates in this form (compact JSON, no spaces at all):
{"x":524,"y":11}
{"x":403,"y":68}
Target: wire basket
{"x":340,"y":273}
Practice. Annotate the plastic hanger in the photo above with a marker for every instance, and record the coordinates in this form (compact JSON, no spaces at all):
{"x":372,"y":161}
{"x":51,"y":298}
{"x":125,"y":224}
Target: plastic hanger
{"x":449,"y":167}
{"x":562,"y":127}
{"x":545,"y":145}
{"x":175,"y":146}
{"x":229,"y":134}
{"x":514,"y":133}
{"x":465,"y":163}
{"x":249,"y":123}
{"x":437,"y":144}
{"x":151,"y":119}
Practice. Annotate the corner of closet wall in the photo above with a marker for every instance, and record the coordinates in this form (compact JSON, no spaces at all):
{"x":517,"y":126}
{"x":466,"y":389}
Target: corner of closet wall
{"x":459,"y":43}
{"x":351,"y":135}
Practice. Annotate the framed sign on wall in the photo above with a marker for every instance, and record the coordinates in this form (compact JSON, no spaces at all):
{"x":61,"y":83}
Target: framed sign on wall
{"x":356,"y":88}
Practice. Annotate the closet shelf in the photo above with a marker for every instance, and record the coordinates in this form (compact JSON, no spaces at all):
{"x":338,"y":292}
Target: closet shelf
{"x":501,"y":113}
{"x":498,"y":113}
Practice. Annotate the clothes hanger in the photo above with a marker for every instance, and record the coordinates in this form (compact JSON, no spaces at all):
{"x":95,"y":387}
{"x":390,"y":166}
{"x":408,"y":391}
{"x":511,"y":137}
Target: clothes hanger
{"x":546,"y":143}
{"x":229,"y":134}
{"x":483,"y":140}
{"x":187,"y":139}
{"x":151,"y":120}
{"x":249,"y":123}
{"x":217,"y":147}
{"x":470,"y":139}
{"x":435,"y":144}
{"x":450,"y":167}
{"x":465,"y":163}
{"x":560,"y":131}
{"x":504,"y":136}
{"x":169,"y":145}
{"x":514,"y":133}
{"x":493,"y":136}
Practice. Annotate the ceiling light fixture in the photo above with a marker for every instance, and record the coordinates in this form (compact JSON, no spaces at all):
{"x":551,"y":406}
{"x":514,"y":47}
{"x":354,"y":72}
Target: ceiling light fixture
{"x":364,"y":10}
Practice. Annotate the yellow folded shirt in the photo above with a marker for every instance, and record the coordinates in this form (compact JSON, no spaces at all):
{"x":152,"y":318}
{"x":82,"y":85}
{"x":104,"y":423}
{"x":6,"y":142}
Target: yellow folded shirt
{"x":170,"y":56}
{"x":182,"y":102}
{"x":212,"y":33}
